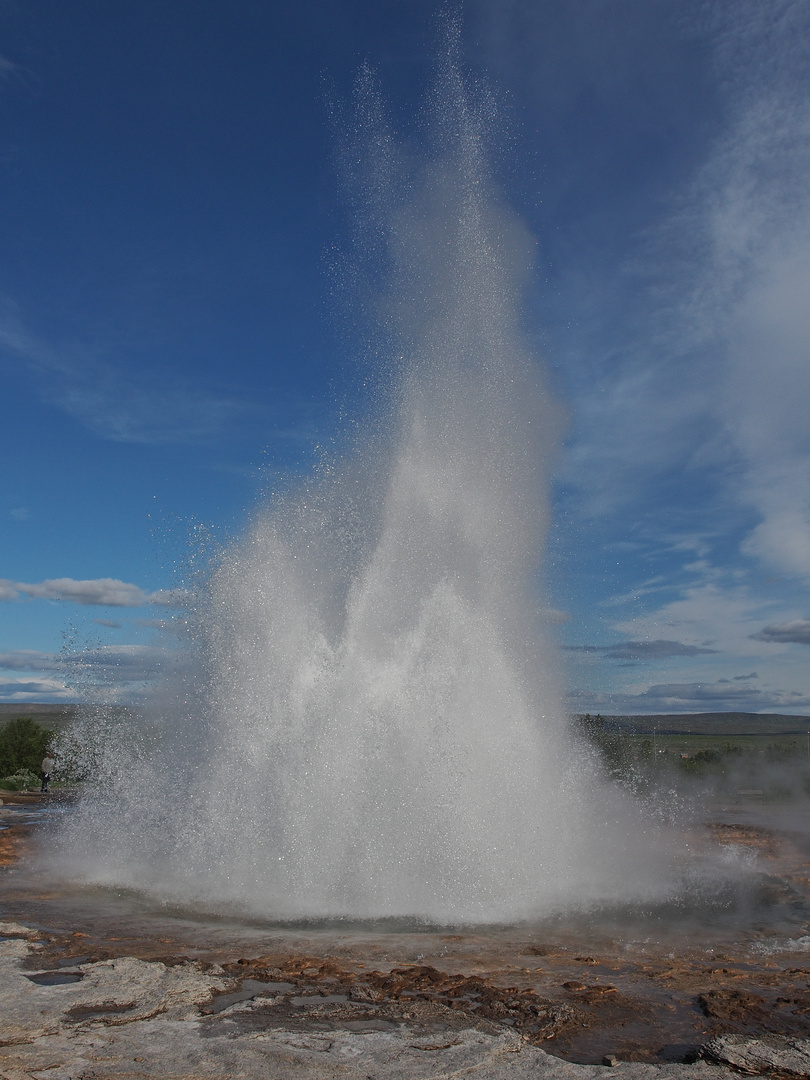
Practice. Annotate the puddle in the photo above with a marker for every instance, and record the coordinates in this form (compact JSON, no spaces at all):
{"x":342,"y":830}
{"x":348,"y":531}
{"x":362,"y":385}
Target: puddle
{"x":55,"y":978}
{"x":250,"y":989}
{"x":364,"y":1027}
{"x":318,"y":999}
{"x":73,"y":961}
{"x":79,"y":1013}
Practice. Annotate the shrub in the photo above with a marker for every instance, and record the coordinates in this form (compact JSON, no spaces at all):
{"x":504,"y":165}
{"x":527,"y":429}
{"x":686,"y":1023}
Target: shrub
{"x":21,"y":780}
{"x":22,"y":746}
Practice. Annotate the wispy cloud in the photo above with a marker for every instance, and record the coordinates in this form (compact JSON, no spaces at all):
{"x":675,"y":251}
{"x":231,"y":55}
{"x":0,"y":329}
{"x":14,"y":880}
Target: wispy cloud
{"x":121,"y":402}
{"x":104,"y":592}
{"x":745,"y":228}
{"x":702,"y":381}
{"x":697,"y":405}
{"x":148,"y":401}
{"x":8,"y":70}
{"x":661,"y":649}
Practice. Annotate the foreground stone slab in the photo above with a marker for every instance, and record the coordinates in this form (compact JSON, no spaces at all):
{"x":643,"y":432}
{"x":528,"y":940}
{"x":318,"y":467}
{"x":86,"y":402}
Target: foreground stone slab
{"x":129,"y":1018}
{"x":765,"y":1054}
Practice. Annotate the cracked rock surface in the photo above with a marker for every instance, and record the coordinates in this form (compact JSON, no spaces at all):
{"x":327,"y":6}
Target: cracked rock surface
{"x":125,"y":1017}
{"x":766,"y":1054}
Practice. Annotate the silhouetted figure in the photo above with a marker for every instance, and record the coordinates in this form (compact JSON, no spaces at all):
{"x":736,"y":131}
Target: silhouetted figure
{"x":47,"y":769}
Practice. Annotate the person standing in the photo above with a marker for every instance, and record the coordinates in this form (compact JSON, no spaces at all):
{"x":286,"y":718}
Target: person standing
{"x":47,"y":769}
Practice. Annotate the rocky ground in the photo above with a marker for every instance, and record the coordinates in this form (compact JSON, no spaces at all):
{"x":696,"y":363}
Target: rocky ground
{"x":85,"y":994}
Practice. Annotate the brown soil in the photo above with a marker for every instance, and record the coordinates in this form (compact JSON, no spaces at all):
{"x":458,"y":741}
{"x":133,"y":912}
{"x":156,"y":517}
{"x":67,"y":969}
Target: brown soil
{"x":15,"y":839}
{"x":580,"y":998}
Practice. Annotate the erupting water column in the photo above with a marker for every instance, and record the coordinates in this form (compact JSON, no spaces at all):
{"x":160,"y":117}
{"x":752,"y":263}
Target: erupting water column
{"x":373,"y":725}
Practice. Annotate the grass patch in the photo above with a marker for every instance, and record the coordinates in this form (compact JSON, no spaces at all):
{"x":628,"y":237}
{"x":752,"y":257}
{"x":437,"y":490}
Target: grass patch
{"x":772,"y":767}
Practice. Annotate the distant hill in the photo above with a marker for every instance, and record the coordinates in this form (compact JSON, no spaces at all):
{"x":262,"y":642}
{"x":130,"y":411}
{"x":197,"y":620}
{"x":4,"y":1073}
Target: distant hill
{"x":50,"y":716}
{"x":710,"y":723}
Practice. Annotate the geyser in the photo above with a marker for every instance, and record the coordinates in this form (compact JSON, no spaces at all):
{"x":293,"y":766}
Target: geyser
{"x":369,"y":721}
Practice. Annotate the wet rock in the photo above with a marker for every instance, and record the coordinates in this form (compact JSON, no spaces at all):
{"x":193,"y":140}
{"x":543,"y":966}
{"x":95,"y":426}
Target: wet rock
{"x":119,"y":990}
{"x":135,"y":1020}
{"x":368,"y":994}
{"x":17,"y":930}
{"x":765,"y":1054}
{"x":733,"y":1005}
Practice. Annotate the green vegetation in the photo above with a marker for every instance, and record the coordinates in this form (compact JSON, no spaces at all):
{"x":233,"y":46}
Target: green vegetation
{"x":764,"y":765}
{"x":21,"y":780}
{"x":618,"y":750}
{"x":23,"y":743}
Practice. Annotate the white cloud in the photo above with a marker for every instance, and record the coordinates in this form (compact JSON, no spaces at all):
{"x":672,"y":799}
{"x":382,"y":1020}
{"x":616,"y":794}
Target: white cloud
{"x":116,"y":672}
{"x":116,"y":664}
{"x":124,"y":661}
{"x":29,"y":660}
{"x":107,"y":592}
{"x":718,"y":614}
{"x":169,"y":597}
{"x":766,"y":399}
{"x":37,"y":684}
{"x":20,"y":513}
{"x":8,"y":590}
{"x":708,"y":379}
{"x":700,"y":647}
{"x":749,"y":220}
{"x":39,"y":690}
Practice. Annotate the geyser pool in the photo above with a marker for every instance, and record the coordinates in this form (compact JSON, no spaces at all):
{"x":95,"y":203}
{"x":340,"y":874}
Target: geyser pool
{"x":368,"y":720}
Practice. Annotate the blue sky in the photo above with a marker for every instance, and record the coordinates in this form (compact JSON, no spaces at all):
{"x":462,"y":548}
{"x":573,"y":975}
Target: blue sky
{"x":172,"y":343}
